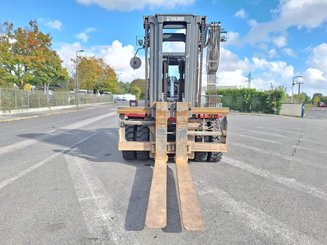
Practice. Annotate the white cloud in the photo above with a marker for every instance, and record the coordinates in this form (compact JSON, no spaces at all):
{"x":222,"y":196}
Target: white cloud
{"x":299,"y":13}
{"x":84,"y":36}
{"x":67,"y":52}
{"x":232,"y":70}
{"x":318,"y":57}
{"x":315,"y":76}
{"x":54,"y":24}
{"x":233,"y":38}
{"x":241,"y":14}
{"x":280,"y":41}
{"x":276,"y":70}
{"x":115,"y":55}
{"x":289,"y":52}
{"x":272,"y":53}
{"x":119,"y":56}
{"x":129,"y":5}
{"x":252,"y":22}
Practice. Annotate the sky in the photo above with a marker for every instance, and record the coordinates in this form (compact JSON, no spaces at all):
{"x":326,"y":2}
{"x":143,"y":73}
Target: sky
{"x":275,"y":40}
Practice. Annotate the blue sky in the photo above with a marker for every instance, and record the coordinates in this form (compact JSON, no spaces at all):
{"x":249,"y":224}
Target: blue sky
{"x":275,"y":40}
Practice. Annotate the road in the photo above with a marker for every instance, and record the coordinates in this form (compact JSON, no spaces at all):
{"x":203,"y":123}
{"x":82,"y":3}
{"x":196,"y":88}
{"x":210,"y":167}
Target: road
{"x":317,"y":113}
{"x":62,"y":181}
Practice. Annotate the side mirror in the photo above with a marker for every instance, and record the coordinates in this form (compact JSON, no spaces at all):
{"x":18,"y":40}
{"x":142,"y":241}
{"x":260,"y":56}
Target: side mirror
{"x":140,"y":42}
{"x":135,"y":62}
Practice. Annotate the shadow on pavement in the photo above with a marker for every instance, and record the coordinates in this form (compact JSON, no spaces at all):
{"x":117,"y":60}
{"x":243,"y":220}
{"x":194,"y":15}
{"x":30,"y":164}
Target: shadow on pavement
{"x":102,"y":147}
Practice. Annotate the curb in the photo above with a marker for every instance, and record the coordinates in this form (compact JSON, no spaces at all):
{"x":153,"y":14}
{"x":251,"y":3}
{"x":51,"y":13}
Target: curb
{"x":262,"y":115}
{"x":51,"y":108}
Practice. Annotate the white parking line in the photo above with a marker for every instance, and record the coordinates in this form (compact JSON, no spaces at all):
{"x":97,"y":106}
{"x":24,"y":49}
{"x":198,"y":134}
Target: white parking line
{"x":288,"y":182}
{"x":278,"y":143}
{"x":282,"y":156}
{"x":282,"y":136}
{"x":96,"y":204}
{"x":256,"y":219}
{"x":41,"y":163}
{"x":255,"y":138}
{"x":28,"y":142}
{"x":291,"y":131}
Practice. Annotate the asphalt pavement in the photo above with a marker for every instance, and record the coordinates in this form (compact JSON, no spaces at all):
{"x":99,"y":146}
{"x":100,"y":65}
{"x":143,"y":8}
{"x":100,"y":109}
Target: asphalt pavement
{"x":317,"y":113}
{"x":62,"y":181}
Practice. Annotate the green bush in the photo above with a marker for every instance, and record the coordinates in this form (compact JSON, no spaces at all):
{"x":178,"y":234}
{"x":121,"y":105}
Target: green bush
{"x":251,"y":100}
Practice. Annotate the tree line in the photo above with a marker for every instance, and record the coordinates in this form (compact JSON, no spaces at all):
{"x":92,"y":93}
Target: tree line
{"x":27,"y":57}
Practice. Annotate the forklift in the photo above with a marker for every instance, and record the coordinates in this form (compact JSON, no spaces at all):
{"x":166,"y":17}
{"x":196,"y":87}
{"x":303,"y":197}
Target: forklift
{"x":176,"y":121}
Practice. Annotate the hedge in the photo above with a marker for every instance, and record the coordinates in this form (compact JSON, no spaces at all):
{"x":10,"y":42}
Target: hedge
{"x":251,"y":100}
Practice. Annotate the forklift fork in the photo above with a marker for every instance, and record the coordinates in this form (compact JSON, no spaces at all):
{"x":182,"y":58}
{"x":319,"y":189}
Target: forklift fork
{"x":191,"y":215}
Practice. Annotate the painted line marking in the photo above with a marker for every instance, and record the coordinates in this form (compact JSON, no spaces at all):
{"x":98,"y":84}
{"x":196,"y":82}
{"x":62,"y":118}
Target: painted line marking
{"x":281,"y":130}
{"x":28,"y":142}
{"x":282,"y":156}
{"x":279,"y":143}
{"x":283,"y":136}
{"x":255,"y":219}
{"x":96,"y":204}
{"x":41,"y":163}
{"x":288,"y":182}
{"x":255,"y":138}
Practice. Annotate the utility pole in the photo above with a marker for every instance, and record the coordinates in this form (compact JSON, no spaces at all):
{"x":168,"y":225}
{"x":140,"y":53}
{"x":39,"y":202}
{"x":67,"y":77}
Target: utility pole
{"x":293,"y":84}
{"x":299,"y":88}
{"x":249,"y":80}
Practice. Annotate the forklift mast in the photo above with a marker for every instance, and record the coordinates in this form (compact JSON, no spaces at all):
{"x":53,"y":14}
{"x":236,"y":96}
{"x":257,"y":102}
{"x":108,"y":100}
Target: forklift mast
{"x":177,"y":75}
{"x":175,"y":122}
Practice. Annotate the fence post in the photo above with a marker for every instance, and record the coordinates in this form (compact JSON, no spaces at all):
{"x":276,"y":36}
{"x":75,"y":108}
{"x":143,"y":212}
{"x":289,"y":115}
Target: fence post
{"x":38,"y":99}
{"x":28,"y":100}
{"x":15,"y":95}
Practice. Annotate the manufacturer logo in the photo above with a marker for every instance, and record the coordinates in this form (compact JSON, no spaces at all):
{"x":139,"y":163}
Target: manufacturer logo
{"x":175,"y":18}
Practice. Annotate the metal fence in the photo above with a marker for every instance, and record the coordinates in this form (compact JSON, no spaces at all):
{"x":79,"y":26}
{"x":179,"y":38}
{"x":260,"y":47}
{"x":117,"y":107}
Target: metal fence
{"x":211,"y":101}
{"x":14,"y":99}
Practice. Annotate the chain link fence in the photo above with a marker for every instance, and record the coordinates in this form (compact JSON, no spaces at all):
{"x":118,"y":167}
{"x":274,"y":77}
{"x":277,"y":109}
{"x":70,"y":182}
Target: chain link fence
{"x":15,"y":99}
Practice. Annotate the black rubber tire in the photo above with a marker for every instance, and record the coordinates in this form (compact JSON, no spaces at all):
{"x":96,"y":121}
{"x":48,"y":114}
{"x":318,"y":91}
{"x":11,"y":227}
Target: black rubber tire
{"x":142,"y":135}
{"x":200,"y":156}
{"x":130,"y":136}
{"x":214,"y":156}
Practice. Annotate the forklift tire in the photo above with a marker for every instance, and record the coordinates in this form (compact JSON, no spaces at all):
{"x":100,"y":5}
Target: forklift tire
{"x":214,"y":156}
{"x":142,"y":135}
{"x":200,"y":156}
{"x":129,"y":135}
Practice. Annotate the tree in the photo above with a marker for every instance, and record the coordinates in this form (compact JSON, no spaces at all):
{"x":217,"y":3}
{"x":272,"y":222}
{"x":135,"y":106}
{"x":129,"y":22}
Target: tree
{"x":316,"y":98}
{"x":301,"y":98}
{"x":94,"y":74}
{"x":7,"y":59}
{"x":123,"y":88}
{"x":140,"y":84}
{"x":26,"y":57}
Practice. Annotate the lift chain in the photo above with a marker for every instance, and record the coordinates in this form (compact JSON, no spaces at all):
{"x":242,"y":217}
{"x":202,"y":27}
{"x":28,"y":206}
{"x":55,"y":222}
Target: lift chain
{"x":202,"y":44}
{"x":146,"y":45}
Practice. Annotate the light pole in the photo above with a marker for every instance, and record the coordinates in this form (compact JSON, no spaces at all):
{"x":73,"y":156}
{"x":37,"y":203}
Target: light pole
{"x":299,"y":88}
{"x":293,"y":83}
{"x":77,"y":82}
